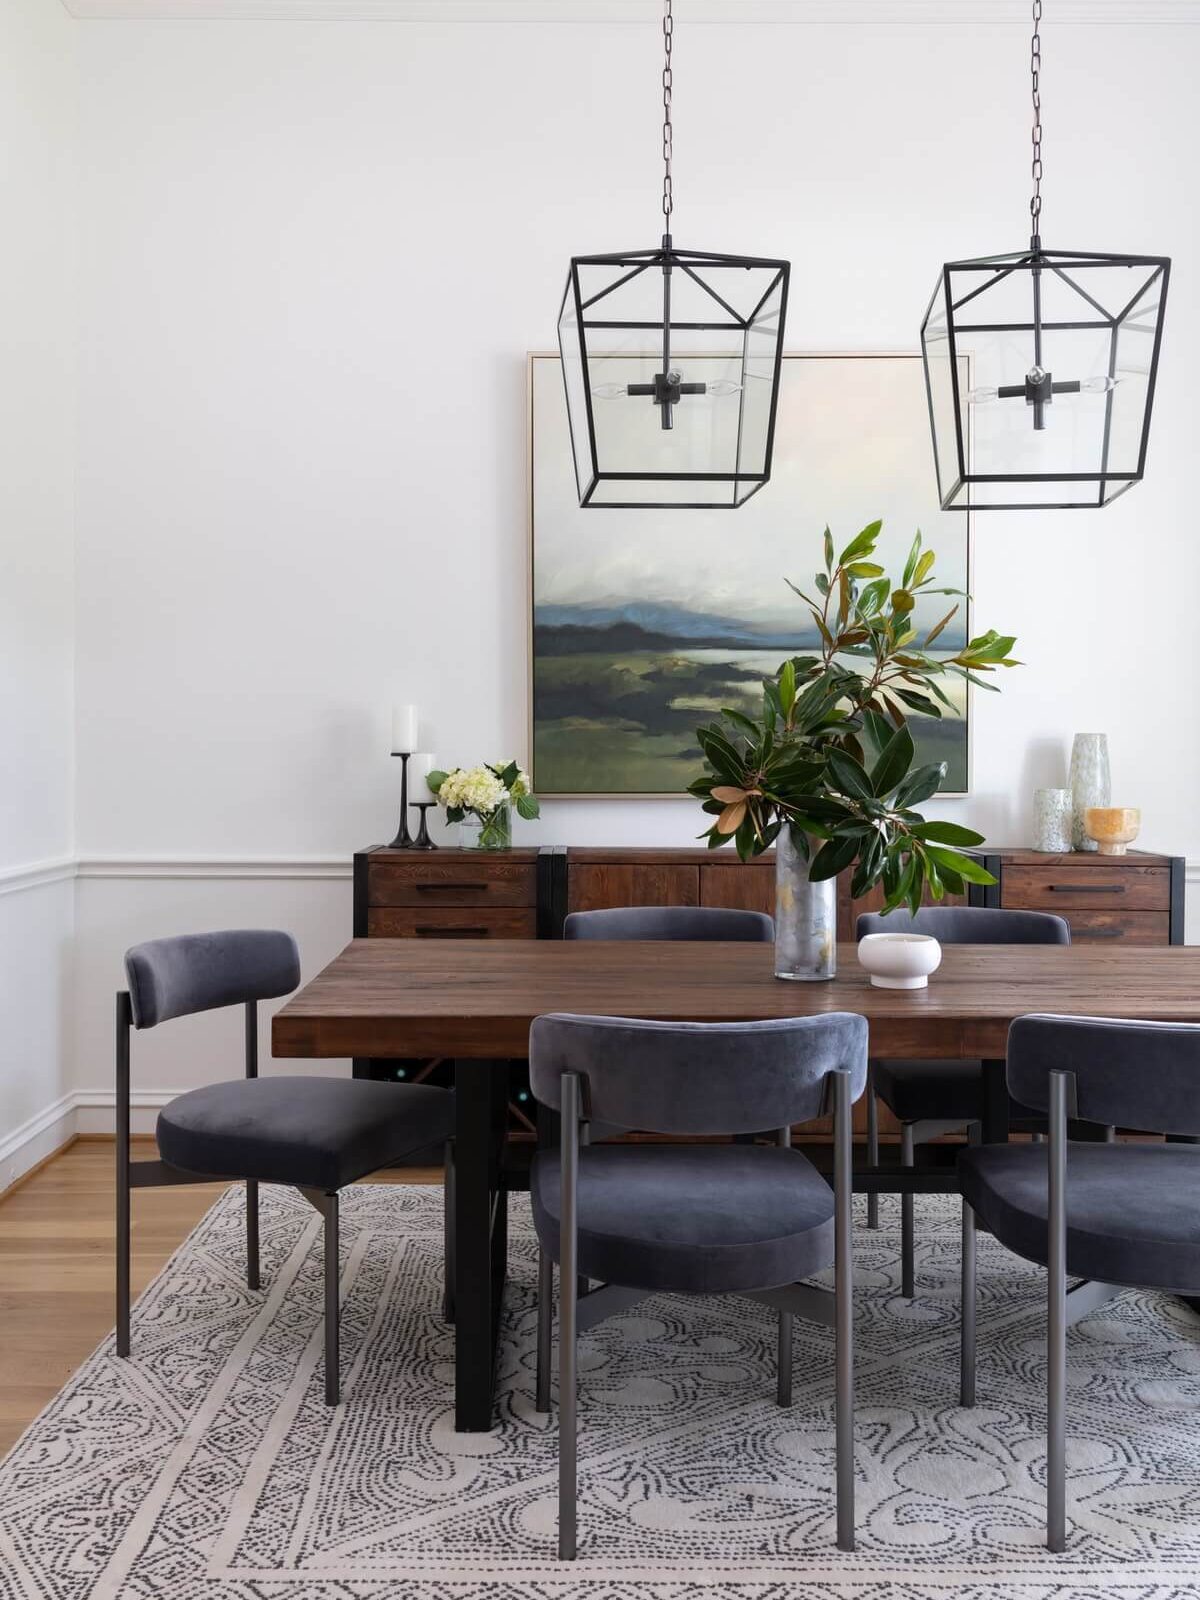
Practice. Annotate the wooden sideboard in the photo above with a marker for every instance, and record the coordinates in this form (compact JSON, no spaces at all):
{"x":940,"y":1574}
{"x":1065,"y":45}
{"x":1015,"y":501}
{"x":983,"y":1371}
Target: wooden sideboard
{"x":527,"y":893}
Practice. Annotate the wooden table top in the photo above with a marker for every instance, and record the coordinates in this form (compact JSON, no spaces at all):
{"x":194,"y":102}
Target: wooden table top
{"x":476,"y":999}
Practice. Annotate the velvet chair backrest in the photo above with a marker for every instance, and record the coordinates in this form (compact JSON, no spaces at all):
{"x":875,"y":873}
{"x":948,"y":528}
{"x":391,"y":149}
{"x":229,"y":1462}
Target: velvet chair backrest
{"x":202,"y":971}
{"x":970,"y":925}
{"x":671,"y":922}
{"x":1142,"y":1075}
{"x":698,"y":1077}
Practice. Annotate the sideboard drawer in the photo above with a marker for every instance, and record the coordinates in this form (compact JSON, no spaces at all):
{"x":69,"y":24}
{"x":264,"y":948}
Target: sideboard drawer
{"x":452,"y":922}
{"x":1124,"y":886}
{"x":1120,"y":927}
{"x":430,"y":884}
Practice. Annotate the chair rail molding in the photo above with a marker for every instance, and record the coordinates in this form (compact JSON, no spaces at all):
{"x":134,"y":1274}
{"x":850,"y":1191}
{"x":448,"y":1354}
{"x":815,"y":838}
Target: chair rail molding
{"x":232,"y":867}
{"x":851,"y":12}
{"x":37,"y":874}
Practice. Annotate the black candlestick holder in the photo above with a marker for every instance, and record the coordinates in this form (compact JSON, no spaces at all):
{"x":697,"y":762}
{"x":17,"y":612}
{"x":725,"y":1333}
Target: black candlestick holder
{"x":423,"y":841}
{"x":403,"y":840}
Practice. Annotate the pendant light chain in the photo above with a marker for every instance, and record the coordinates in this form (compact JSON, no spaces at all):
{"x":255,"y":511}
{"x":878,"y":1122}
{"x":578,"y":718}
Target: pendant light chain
{"x":668,"y":198}
{"x":1035,"y":73}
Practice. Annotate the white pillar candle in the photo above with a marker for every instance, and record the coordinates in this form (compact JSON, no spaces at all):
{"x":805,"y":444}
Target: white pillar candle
{"x":404,"y":728}
{"x":419,"y":768}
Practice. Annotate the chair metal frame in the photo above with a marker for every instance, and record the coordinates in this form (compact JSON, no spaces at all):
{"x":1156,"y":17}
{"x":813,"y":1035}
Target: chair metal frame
{"x":579,"y":1311}
{"x":1064,"y":1306}
{"x":158,"y":1174}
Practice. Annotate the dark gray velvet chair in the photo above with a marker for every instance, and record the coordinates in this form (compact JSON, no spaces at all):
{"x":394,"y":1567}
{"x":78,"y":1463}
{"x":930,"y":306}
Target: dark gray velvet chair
{"x":694,"y":923}
{"x":1113,"y":1215}
{"x":693,"y":1219}
{"x":315,"y":1134}
{"x":929,"y":1098}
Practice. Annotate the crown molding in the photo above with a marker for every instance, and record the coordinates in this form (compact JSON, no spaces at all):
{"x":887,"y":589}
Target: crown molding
{"x":853,"y":12}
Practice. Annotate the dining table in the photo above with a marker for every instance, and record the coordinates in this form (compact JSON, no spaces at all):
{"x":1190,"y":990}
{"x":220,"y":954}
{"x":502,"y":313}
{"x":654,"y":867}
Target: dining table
{"x":473,"y":1002}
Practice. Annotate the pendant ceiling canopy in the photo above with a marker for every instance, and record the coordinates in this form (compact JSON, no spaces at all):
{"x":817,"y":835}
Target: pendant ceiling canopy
{"x":1040,"y":367}
{"x":671,"y":360}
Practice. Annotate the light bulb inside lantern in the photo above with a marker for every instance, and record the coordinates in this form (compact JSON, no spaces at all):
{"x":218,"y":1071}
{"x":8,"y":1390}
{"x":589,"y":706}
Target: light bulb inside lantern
{"x":1101,"y":385}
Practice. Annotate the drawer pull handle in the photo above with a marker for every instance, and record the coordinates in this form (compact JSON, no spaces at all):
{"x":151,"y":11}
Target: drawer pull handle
{"x":1097,"y":933}
{"x":451,"y":933}
{"x":449,"y":888}
{"x":1086,"y":888}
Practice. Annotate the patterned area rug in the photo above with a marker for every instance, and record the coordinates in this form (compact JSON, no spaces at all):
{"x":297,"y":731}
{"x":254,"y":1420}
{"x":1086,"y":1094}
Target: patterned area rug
{"x":210,"y":1469}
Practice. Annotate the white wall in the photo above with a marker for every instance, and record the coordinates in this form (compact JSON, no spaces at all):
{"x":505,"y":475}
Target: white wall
{"x":37,"y":112}
{"x":314,"y":256}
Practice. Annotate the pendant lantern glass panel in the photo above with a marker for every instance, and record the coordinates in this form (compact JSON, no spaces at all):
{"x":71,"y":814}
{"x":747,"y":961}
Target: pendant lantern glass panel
{"x":1040,"y":370}
{"x":711,"y":374}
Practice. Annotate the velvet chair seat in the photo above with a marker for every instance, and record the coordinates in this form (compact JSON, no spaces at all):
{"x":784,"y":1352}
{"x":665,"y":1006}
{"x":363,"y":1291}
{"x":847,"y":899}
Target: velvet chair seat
{"x":1133,"y":1211}
{"x":314,"y":1133}
{"x":696,"y":1219}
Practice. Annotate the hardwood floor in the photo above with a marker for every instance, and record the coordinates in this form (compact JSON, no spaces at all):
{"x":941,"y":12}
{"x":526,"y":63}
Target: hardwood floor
{"x":57,"y":1242}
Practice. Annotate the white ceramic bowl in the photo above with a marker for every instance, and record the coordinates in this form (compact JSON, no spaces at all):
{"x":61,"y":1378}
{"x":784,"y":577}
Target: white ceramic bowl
{"x":900,"y":960}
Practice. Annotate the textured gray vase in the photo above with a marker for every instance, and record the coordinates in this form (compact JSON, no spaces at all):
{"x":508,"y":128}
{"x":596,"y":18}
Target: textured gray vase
{"x":1091,"y":782}
{"x":1052,"y":815}
{"x":805,"y":918}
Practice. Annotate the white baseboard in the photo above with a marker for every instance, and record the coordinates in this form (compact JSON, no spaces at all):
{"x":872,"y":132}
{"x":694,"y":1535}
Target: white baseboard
{"x":44,"y":1133}
{"x":83,"y":1111}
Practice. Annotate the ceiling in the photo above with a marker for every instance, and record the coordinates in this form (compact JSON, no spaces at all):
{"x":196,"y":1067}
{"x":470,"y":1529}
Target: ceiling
{"x":854,"y":12}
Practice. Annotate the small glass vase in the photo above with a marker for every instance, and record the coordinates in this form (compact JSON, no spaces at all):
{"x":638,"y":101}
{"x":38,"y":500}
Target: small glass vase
{"x":1053,"y":813}
{"x":805,"y":918}
{"x":493,"y":832}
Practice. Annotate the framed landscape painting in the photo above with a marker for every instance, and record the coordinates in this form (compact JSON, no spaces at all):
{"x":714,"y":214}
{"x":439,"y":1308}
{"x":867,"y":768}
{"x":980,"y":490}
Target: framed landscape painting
{"x":645,"y":623}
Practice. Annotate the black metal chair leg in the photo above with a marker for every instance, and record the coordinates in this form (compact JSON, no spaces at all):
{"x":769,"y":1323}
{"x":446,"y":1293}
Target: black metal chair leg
{"x":1056,"y":1328}
{"x":124,"y":1018}
{"x":783,"y":1377}
{"x":872,"y":1143}
{"x":907,"y":1275}
{"x":843,"y":1189}
{"x":332,"y":1302}
{"x":545,"y":1321}
{"x":253,"y":1280}
{"x":568,"y":1273}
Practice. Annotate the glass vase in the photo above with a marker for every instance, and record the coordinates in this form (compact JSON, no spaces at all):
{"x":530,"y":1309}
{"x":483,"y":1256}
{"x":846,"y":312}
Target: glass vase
{"x":1052,"y":815}
{"x":805,"y":917}
{"x":1091,"y":783}
{"x":493,"y":832}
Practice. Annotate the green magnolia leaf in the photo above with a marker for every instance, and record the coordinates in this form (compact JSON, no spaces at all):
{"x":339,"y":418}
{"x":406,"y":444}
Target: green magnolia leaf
{"x":849,"y":775}
{"x":902,"y":602}
{"x":922,"y":569}
{"x":748,"y":727}
{"x":828,"y":553}
{"x":919,"y":785}
{"x":910,"y":566}
{"x":879,"y":730}
{"x":894,"y":761}
{"x":822,"y":584}
{"x":864,"y":569}
{"x":787,"y":688}
{"x":831,"y":858}
{"x":965,"y":866}
{"x":862,"y":544}
{"x":946,"y":833}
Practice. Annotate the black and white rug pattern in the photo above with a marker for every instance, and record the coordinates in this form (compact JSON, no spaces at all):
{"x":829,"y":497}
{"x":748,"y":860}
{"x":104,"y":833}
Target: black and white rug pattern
{"x":209,"y":1467}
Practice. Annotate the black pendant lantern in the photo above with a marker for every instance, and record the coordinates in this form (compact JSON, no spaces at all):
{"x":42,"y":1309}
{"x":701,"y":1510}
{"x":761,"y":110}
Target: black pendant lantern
{"x":671,"y":360}
{"x":1040,"y":367}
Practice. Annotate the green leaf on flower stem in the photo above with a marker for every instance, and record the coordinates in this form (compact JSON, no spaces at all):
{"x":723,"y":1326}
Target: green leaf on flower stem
{"x":822,"y":584}
{"x":894,"y":761}
{"x":864,"y":569}
{"x":922,"y":569}
{"x":833,"y":855}
{"x":828,"y":553}
{"x":436,"y":779}
{"x":902,"y":602}
{"x":527,"y":807}
{"x":508,"y":774}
